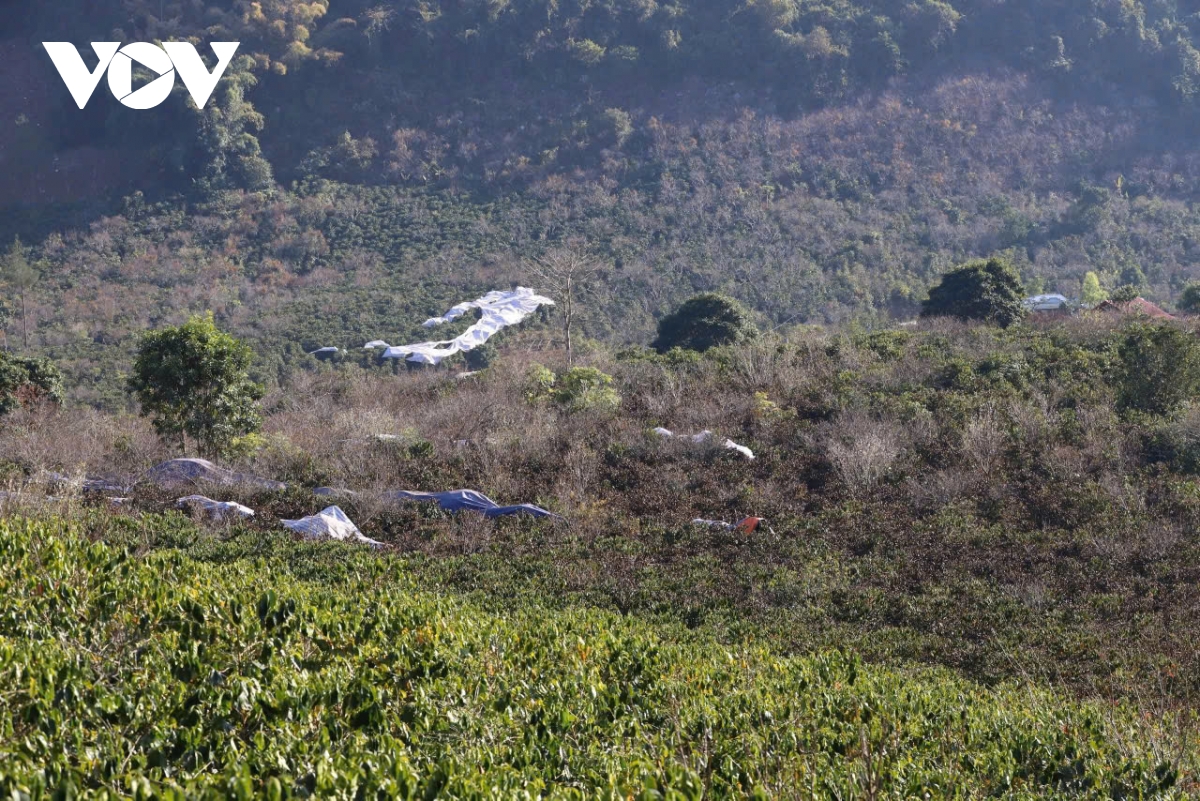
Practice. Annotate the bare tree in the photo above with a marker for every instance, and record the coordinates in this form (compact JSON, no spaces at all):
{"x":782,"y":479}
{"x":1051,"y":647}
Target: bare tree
{"x":5,"y":316}
{"x":569,"y":274}
{"x":18,"y":276}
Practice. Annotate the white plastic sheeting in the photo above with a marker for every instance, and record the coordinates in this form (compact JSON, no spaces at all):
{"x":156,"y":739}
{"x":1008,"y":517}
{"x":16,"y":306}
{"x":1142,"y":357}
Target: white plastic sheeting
{"x":500,"y":309}
{"x":217,"y":510}
{"x":330,"y":524}
{"x":707,"y":436}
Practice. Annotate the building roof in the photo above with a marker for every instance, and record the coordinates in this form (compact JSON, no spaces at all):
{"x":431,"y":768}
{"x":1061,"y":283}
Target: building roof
{"x":1050,"y":302}
{"x":1134,"y":307}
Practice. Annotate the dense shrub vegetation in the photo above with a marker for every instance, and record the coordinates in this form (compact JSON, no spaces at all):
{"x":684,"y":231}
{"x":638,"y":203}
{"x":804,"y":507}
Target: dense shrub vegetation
{"x":28,"y":382}
{"x":255,"y":666}
{"x":996,"y":501}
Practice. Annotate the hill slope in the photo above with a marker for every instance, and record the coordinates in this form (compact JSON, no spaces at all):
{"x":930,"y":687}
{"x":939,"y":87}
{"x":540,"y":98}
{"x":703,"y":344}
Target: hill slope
{"x":820,"y":161}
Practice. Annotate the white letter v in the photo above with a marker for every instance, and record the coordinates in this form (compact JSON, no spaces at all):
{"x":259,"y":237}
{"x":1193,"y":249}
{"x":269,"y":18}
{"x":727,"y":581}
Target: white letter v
{"x":196,"y":77}
{"x":74,"y":72}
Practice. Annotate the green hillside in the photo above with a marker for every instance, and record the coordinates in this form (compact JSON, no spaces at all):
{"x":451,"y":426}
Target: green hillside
{"x":365,"y":165}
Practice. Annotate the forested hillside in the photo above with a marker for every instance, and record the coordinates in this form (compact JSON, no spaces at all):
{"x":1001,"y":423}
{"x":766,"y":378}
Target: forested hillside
{"x":366,"y":164}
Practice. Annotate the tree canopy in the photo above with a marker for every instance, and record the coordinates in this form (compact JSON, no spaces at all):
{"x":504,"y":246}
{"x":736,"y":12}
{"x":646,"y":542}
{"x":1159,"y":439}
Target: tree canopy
{"x":1158,"y":369}
{"x":1189,"y":301}
{"x":981,"y":290}
{"x":703,"y":322}
{"x":193,"y":381}
{"x":1091,"y":292}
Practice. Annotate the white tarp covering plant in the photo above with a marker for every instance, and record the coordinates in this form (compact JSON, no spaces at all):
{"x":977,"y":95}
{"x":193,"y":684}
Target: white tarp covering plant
{"x":217,"y":510}
{"x":746,"y":524}
{"x":705,"y":437}
{"x":330,"y":523}
{"x":500,"y":309}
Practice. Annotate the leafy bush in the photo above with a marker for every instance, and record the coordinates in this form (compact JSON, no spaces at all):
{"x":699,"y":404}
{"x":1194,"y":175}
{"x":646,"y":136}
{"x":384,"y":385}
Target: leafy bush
{"x":1125,"y":293}
{"x":1158,"y":369}
{"x":983,"y":290}
{"x":887,"y":345}
{"x":579,"y":389}
{"x":192,"y":380}
{"x":539,"y":382}
{"x":705,"y":321}
{"x":481,"y":357}
{"x":27,"y":382}
{"x":586,"y":388}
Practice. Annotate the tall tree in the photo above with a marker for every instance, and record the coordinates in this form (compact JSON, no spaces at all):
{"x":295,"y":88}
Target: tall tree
{"x":1189,"y":301}
{"x":569,"y":274}
{"x":1092,"y":293}
{"x":193,"y":381}
{"x":19,"y":277}
{"x":5,"y":316}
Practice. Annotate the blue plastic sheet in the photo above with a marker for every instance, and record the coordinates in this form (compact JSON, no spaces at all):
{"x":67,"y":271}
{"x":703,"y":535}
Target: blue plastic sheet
{"x":470,"y":500}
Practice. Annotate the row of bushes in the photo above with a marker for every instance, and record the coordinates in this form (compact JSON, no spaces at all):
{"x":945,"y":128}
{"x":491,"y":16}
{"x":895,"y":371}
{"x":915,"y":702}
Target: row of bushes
{"x":293,"y":671}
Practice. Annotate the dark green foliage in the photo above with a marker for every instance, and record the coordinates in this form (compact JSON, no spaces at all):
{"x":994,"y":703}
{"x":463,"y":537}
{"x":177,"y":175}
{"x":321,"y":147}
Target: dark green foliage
{"x":1189,"y":301}
{"x":1158,"y":368}
{"x":989,"y":291}
{"x":1134,"y":277}
{"x":482,"y":357}
{"x":192,"y":381}
{"x":705,"y":321}
{"x":1124,"y":293}
{"x":226,"y":142}
{"x":27,"y":382}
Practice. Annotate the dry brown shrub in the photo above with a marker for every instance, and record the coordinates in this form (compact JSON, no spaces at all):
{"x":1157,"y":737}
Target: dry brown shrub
{"x":78,"y":439}
{"x":932,"y":491}
{"x":983,"y":441}
{"x":862,"y":449}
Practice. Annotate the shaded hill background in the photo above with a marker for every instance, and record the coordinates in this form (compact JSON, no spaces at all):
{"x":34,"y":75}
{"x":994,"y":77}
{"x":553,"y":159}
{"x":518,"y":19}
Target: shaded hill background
{"x":366,"y":164}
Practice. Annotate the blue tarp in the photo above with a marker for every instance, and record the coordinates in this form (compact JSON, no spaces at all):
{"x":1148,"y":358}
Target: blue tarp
{"x":470,"y":500}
